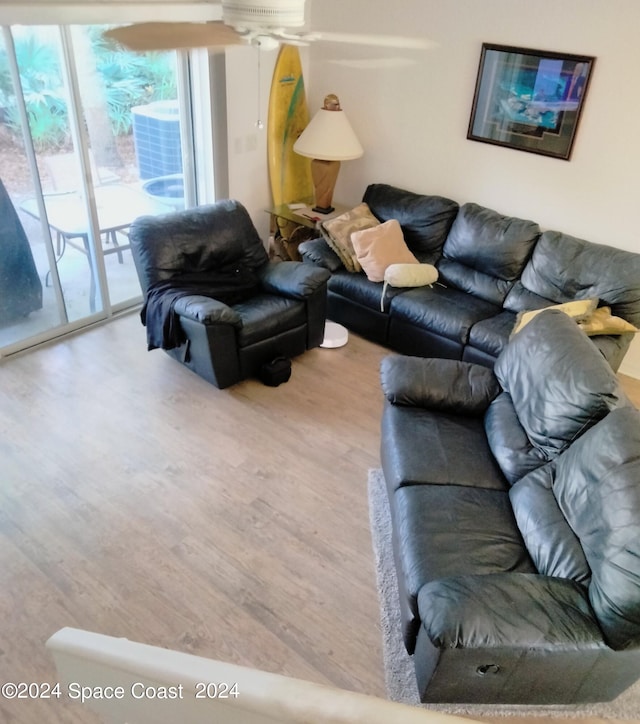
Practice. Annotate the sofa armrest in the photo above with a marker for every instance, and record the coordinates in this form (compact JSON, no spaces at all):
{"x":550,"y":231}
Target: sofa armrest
{"x":438,"y":384}
{"x":206,"y":310}
{"x":293,"y":278}
{"x":318,"y":252}
{"x":508,"y":609}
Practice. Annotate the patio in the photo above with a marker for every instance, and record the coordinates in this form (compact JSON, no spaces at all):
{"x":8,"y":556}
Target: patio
{"x":117,"y":205}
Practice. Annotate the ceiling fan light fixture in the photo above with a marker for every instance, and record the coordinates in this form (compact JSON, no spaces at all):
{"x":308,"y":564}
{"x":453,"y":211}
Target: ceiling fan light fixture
{"x":262,"y":14}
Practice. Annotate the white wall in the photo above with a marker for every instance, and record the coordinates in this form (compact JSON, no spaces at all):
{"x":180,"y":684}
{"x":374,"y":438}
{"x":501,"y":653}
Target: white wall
{"x":411,"y":109}
{"x":249,"y":74}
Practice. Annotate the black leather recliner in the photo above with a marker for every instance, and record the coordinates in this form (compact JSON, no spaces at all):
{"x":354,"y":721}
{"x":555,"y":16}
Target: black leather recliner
{"x":214,"y":301}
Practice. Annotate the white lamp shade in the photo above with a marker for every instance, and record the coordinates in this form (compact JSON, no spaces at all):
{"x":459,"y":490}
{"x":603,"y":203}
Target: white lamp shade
{"x":329,"y":137}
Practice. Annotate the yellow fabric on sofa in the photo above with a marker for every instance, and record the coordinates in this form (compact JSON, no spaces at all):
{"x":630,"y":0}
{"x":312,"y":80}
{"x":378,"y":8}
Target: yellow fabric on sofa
{"x":601,"y":321}
{"x":578,"y":309}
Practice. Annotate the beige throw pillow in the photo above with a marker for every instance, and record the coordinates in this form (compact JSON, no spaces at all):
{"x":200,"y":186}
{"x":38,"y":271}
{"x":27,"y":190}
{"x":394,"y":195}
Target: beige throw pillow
{"x":379,"y":247}
{"x":579,"y":309}
{"x":601,"y":321}
{"x":408,"y":275}
{"x":337,"y":233}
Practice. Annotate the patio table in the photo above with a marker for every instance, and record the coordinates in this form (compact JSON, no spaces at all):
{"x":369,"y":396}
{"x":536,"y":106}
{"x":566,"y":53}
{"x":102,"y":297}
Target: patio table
{"x":117,"y":205}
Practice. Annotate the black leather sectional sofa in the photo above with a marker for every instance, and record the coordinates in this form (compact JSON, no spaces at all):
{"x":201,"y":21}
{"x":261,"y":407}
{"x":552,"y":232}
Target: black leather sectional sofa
{"x":490,"y":267}
{"x":515,"y":502}
{"x":512,"y":461}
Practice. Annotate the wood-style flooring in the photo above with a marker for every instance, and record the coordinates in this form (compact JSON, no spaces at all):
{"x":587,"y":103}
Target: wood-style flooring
{"x":137,"y":500}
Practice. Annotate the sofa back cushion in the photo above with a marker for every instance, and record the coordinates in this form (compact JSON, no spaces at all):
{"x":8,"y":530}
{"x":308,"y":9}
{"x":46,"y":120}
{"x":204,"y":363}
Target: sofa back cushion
{"x":553,"y":546}
{"x":217,"y":237}
{"x":559,"y":383}
{"x":512,"y":449}
{"x":563,"y":268}
{"x":486,"y":252}
{"x":597,"y":486}
{"x":425,"y":220}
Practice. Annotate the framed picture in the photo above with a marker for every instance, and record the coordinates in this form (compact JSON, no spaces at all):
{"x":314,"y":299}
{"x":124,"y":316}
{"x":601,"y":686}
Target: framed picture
{"x":529,"y":99}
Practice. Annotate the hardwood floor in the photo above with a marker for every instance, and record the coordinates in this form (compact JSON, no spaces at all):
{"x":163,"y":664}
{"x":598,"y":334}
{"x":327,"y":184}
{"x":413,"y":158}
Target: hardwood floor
{"x":137,"y":500}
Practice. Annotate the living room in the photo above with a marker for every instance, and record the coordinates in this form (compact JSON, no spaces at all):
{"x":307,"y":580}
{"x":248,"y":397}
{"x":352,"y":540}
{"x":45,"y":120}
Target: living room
{"x":131,"y":519}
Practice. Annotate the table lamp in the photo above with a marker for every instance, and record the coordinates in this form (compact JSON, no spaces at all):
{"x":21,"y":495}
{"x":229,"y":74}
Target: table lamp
{"x":327,"y":140}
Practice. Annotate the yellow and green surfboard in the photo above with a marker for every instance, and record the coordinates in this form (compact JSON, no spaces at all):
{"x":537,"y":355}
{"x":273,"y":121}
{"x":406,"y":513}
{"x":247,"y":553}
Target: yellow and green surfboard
{"x":289,"y":173}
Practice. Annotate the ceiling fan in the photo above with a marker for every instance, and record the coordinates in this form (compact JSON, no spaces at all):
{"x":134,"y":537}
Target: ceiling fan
{"x":262,"y":23}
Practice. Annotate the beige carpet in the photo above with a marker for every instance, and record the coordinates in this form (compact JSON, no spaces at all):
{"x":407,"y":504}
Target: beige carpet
{"x":399,"y":673}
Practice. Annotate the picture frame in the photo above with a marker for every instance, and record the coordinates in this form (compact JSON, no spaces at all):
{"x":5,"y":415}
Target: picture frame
{"x":530,"y":100}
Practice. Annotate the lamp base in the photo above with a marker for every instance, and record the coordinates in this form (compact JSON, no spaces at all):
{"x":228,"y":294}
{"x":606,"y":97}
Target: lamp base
{"x":324,"y":175}
{"x":323,"y":209}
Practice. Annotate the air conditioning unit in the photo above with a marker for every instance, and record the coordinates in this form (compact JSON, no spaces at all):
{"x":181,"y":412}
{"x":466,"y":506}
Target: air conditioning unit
{"x":156,"y":135}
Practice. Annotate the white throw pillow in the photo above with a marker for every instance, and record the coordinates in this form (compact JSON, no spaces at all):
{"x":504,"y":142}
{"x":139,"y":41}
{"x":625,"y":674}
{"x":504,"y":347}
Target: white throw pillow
{"x":408,"y":275}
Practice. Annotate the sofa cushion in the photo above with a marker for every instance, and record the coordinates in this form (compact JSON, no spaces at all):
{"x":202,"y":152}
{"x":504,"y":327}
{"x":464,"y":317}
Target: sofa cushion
{"x":442,"y":310}
{"x":485,"y":240}
{"x":521,"y":299}
{"x":492,"y":335}
{"x":507,"y":610}
{"x":424,"y":446}
{"x":379,"y":247}
{"x":425,"y":220}
{"x":553,"y":546}
{"x":451,"y":530}
{"x":508,"y":440}
{"x":358,"y":288}
{"x":489,"y":245}
{"x":559,"y":383}
{"x":563,"y":267}
{"x":598,"y":491}
{"x":266,"y":315}
{"x":481,"y":285}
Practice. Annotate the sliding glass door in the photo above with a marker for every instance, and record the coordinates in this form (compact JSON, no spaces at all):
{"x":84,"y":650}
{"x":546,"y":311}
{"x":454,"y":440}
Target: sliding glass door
{"x":91,"y":137}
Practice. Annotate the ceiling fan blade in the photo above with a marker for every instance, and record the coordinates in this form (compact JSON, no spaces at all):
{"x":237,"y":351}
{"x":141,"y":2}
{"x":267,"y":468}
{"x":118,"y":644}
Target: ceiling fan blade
{"x":142,"y":37}
{"x":381,"y":41}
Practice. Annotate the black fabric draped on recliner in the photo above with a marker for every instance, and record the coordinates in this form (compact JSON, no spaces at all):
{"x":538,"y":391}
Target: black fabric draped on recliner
{"x":212,"y":298}
{"x":20,"y":285}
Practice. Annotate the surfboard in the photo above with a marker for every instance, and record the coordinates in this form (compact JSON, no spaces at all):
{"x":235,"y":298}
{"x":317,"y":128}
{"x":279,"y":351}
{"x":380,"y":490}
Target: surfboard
{"x":289,"y":173}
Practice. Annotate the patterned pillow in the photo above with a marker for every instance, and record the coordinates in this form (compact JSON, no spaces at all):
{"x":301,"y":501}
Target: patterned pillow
{"x":337,"y":233}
